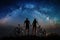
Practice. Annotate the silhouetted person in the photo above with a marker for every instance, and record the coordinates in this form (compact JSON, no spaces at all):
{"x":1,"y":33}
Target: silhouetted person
{"x":39,"y":27}
{"x":44,"y":32}
{"x":18,"y":25}
{"x":27,"y":23}
{"x":39,"y":31}
{"x":18,"y":30}
{"x":34,"y":25}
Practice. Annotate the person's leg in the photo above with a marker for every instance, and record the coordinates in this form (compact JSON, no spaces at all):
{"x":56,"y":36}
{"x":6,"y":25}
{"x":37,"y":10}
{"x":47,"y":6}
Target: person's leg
{"x":28,"y":31}
{"x":35,"y":30}
{"x":25,"y":30}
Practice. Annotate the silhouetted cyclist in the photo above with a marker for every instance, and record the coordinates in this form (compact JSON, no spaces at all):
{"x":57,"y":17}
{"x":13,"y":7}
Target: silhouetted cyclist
{"x":34,"y":25}
{"x":27,"y":23}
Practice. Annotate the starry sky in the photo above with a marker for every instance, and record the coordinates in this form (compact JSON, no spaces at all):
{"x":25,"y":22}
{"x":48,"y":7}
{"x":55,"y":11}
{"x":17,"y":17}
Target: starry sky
{"x":13,"y":12}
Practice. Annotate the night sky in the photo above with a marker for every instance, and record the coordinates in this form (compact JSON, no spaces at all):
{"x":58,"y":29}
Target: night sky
{"x":13,"y":12}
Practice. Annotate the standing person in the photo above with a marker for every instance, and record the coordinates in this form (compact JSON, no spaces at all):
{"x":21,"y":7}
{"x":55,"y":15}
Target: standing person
{"x":34,"y":25}
{"x":44,"y":32}
{"x":27,"y":23}
{"x":40,"y":31}
{"x":18,"y":30}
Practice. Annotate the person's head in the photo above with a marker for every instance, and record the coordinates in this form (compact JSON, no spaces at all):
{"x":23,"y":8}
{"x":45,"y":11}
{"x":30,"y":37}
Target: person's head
{"x":39,"y":26}
{"x":35,"y":19}
{"x":16,"y":27}
{"x":26,"y":18}
{"x":18,"y":24}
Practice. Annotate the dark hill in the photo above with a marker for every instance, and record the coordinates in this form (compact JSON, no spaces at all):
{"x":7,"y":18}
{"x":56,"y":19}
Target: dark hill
{"x":49,"y":37}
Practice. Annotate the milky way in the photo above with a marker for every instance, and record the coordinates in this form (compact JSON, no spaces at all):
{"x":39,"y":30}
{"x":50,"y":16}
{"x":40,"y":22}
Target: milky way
{"x":30,"y":11}
{"x":45,"y":13}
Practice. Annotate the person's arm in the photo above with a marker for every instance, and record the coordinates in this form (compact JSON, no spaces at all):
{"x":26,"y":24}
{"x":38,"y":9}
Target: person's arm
{"x":29,"y":24}
{"x":37,"y":23}
{"x":24,"y":22}
{"x":32,"y":22}
{"x":44,"y":31}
